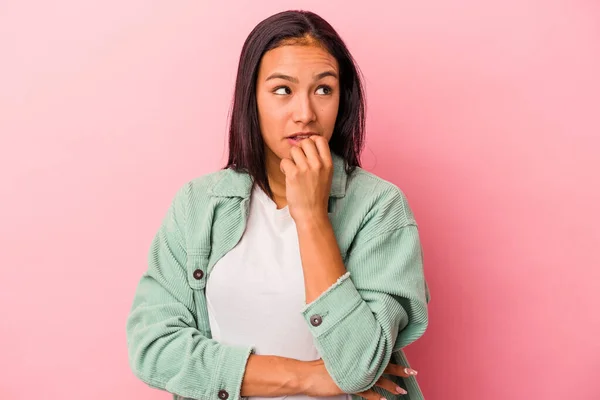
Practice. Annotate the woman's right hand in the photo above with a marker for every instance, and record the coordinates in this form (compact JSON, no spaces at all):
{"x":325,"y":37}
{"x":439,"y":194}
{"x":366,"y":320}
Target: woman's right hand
{"x":318,"y":382}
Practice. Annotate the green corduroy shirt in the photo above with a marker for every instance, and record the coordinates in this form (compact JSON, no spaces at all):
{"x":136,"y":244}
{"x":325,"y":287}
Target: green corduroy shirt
{"x":364,"y":319}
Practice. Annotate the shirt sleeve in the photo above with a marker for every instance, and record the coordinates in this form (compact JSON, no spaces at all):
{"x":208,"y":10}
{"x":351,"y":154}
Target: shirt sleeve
{"x":379,"y":306}
{"x":166,"y":350}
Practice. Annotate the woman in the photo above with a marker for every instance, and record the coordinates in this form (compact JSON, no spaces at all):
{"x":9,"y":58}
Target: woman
{"x":292,"y":271}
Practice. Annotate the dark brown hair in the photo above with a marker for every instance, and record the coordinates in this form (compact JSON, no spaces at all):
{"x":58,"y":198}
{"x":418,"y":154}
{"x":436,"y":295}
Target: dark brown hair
{"x":246,"y":145}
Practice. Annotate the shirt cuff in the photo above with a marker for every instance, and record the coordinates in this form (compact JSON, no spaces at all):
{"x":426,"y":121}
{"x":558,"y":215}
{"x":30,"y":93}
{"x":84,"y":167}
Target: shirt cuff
{"x":230,"y":373}
{"x":332,"y":306}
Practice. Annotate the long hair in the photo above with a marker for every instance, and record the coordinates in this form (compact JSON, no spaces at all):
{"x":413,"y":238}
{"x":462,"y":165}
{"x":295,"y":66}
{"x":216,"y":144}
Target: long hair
{"x":246,"y":145}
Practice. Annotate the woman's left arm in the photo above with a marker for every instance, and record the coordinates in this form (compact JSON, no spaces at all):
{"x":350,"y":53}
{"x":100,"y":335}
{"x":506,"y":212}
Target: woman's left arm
{"x":360,"y":311}
{"x":357,"y":313}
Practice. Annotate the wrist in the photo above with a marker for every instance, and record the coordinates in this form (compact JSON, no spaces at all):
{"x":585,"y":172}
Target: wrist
{"x":311,"y":221}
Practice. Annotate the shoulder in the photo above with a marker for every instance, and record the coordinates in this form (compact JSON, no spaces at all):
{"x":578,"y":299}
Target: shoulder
{"x":199,"y":190}
{"x":364,"y":179}
{"x":378,"y":200}
{"x":207,"y":182}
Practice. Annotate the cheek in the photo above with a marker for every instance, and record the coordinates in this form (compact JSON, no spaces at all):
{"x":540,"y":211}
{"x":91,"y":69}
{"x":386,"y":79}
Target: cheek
{"x":329,"y":113}
{"x":328,"y":118}
{"x":272,"y":119}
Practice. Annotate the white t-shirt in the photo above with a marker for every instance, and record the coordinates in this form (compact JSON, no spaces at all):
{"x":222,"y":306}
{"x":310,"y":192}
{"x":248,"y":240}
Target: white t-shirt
{"x":255,"y":293}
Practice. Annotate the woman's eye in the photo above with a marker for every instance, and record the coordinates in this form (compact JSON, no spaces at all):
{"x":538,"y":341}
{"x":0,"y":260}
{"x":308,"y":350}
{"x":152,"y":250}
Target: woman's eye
{"x":283,"y":90}
{"x":325,"y":90}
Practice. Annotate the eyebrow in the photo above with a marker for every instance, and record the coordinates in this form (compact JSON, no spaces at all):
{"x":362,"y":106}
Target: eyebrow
{"x":320,"y":76}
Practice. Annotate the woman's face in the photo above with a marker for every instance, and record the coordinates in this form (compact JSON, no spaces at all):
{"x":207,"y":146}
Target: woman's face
{"x":297,"y":90}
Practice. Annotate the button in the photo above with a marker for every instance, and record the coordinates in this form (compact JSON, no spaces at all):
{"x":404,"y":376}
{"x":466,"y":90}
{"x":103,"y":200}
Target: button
{"x":198,"y":274}
{"x":316,"y":320}
{"x":223,"y":395}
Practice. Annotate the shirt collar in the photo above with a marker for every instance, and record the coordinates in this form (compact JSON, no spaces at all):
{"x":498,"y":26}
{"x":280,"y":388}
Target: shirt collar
{"x":239,"y":184}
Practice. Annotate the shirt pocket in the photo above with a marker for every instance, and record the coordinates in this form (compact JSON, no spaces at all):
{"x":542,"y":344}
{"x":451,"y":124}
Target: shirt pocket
{"x":197,"y":267}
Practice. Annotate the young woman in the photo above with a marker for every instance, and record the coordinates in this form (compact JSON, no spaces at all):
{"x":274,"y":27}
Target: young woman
{"x":292,"y":271}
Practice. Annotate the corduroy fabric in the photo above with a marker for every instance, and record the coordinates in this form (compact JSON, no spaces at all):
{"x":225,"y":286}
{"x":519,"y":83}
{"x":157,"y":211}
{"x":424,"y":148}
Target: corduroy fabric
{"x":368,"y":316}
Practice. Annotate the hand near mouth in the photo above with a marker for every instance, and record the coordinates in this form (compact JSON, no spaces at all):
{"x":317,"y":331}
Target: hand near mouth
{"x":308,"y":175}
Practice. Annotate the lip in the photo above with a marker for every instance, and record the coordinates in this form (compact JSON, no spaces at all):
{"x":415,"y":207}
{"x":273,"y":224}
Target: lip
{"x":294,"y":135}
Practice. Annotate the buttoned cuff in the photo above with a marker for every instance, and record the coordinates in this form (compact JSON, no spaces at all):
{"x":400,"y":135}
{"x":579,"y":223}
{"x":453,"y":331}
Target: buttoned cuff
{"x":231,"y":367}
{"x":332,"y":306}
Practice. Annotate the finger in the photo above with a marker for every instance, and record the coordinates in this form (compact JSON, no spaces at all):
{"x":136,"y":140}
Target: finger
{"x":389,"y":386}
{"x":299,"y":158}
{"x":312,"y":153}
{"x":287,"y":166}
{"x":371,"y":395}
{"x":399,"y":370}
{"x":323,"y":148}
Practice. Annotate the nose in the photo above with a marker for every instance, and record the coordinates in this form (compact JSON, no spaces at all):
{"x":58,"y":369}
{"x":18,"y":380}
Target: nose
{"x":303,"y":110}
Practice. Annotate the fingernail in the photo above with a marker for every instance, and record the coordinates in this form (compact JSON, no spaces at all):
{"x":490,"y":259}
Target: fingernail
{"x":410,"y":371}
{"x":383,"y":398}
{"x":400,"y":390}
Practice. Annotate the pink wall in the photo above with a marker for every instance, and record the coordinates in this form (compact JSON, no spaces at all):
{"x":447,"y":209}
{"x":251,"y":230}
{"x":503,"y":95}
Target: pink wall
{"x":487,"y":115}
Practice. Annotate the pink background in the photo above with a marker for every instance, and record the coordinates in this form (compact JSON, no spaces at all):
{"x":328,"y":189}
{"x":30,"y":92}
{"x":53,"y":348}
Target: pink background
{"x":486,"y":115}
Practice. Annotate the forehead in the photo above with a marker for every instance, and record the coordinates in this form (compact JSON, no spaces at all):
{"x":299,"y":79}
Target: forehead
{"x":296,"y":59}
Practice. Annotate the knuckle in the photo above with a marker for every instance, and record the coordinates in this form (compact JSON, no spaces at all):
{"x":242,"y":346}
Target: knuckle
{"x":368,"y":394}
{"x":317,"y":165}
{"x":374,"y":395}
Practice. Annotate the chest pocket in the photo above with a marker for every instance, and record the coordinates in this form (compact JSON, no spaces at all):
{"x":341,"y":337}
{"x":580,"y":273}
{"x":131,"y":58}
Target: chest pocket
{"x":197,"y":268}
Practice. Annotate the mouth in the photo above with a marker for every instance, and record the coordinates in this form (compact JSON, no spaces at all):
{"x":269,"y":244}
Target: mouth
{"x":298,"y":136}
